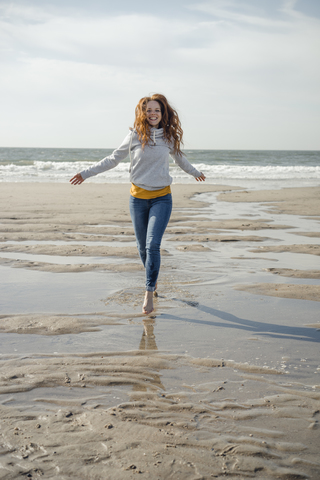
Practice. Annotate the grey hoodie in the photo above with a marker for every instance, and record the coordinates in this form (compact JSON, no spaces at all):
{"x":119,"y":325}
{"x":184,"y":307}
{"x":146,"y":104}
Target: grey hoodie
{"x":149,"y":166}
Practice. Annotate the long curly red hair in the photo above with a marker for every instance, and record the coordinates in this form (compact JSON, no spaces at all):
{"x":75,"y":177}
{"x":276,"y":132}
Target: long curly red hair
{"x":170,"y":122}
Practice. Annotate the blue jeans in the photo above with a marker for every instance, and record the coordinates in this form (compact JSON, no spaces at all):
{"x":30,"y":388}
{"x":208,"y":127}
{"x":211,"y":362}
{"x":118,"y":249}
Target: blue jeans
{"x":150,"y":218}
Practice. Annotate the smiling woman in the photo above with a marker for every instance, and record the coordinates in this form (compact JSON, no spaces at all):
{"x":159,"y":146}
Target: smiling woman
{"x":157,"y":134}
{"x":155,"y":111}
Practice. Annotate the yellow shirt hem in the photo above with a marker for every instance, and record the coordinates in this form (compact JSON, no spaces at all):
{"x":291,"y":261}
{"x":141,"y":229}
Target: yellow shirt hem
{"x":148,"y":194}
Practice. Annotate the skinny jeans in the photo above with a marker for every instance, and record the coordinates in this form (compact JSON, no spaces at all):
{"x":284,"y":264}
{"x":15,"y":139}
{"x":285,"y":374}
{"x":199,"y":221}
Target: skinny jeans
{"x":150,"y":218}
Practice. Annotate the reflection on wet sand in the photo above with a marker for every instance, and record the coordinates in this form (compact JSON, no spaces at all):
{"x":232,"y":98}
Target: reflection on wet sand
{"x":148,"y":339}
{"x":148,"y":343}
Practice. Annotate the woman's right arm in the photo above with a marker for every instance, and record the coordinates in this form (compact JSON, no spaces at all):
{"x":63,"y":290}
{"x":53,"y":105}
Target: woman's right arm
{"x":77,"y":179}
{"x":106,"y":163}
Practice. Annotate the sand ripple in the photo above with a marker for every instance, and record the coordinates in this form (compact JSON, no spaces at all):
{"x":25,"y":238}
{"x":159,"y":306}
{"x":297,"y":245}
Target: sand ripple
{"x":195,"y":431}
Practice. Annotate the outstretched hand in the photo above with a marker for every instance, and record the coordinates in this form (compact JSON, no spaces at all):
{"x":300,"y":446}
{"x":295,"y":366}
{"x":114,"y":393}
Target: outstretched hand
{"x":201,"y":178}
{"x":77,"y":179}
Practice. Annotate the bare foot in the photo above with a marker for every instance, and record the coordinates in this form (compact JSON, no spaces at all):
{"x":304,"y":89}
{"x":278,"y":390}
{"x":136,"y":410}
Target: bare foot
{"x":155,"y":293}
{"x":147,"y":307}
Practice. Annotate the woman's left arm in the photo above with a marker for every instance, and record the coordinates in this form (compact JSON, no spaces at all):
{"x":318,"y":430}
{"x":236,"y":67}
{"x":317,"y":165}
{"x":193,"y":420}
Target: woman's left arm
{"x":201,"y":178}
{"x":187,"y":167}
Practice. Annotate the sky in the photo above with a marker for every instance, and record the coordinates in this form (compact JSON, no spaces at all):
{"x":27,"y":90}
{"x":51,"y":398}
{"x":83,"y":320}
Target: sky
{"x":242,"y":74}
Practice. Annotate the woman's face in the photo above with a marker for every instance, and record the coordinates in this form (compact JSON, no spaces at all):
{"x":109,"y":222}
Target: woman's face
{"x":154,"y":113}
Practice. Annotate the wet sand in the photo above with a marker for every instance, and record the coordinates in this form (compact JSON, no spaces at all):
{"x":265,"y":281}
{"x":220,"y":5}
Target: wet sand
{"x":222,"y":380}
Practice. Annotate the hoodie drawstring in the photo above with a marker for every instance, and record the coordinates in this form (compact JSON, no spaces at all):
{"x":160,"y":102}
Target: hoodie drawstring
{"x":154,"y":137}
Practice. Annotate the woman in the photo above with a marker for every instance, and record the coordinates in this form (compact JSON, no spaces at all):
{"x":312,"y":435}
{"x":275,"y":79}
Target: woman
{"x":157,"y":134}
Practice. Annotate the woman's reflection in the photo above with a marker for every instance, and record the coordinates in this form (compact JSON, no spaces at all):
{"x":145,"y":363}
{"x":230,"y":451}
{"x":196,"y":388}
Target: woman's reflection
{"x":148,"y":339}
{"x":148,"y":342}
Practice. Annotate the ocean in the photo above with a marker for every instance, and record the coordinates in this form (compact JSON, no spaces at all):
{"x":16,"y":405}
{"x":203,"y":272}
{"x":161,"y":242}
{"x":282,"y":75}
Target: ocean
{"x":249,"y":168}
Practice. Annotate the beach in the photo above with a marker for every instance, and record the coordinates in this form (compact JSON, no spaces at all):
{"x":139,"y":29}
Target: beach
{"x":221,"y":380}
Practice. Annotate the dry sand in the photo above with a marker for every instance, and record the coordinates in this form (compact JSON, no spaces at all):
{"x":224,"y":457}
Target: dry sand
{"x":217,"y":383}
{"x":307,"y":292}
{"x":310,"y":249}
{"x":295,"y":201}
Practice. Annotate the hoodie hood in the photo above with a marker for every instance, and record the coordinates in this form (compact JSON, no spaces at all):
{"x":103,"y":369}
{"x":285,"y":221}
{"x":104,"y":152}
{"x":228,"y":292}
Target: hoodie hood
{"x":156,"y":133}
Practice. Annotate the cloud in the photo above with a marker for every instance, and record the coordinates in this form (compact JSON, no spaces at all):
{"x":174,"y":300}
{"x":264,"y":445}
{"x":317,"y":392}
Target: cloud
{"x":229,"y":12}
{"x":68,"y":78}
